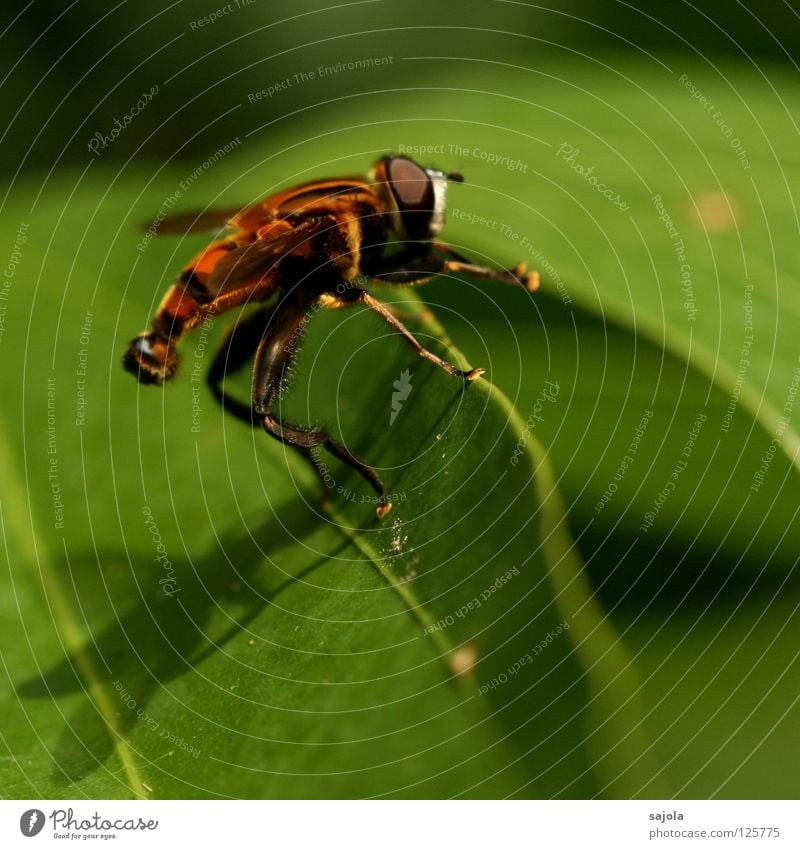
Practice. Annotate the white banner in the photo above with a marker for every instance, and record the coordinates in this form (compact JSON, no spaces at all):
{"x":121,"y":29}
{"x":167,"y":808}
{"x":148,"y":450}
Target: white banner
{"x":402,"y":824}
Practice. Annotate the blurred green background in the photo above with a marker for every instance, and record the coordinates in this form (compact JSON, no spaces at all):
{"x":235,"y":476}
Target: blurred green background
{"x":644,"y":158}
{"x":71,"y":69}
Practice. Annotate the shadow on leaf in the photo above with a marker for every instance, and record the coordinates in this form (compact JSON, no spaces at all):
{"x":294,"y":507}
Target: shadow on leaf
{"x":158,"y":638}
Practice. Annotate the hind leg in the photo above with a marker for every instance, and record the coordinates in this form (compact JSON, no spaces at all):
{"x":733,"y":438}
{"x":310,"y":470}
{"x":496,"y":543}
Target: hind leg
{"x":275,"y":356}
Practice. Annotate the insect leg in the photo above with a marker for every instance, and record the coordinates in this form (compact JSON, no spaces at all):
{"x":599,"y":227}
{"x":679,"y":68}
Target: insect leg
{"x":517,"y":275}
{"x":423,"y":269}
{"x":152,"y":356}
{"x":359,"y":296}
{"x":407,"y":276}
{"x":238,"y":348}
{"x":274,"y":359}
{"x":404,"y":315}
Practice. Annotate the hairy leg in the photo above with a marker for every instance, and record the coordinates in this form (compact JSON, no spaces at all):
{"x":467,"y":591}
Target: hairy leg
{"x":359,"y":296}
{"x":275,"y":356}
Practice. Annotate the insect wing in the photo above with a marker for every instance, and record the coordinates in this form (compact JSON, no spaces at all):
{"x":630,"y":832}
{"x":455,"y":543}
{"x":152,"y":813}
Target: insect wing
{"x":205,"y":221}
{"x":258,"y":258}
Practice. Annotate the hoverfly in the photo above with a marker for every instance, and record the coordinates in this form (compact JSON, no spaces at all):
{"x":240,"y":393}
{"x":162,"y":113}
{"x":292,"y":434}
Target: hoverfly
{"x":298,"y":250}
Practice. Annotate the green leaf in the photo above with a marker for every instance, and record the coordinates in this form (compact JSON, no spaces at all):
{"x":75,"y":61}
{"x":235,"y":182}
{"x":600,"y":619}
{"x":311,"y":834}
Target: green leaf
{"x":341,"y":693}
{"x":705,"y":596}
{"x":712,"y":579}
{"x":183,"y":621}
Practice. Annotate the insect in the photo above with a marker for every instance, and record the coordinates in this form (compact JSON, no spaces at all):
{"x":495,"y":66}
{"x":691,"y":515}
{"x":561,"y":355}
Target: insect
{"x":305,"y":248}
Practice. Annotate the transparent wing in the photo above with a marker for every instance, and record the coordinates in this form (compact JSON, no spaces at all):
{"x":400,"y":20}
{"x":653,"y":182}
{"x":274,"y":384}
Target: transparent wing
{"x":258,"y":258}
{"x":200,"y":221}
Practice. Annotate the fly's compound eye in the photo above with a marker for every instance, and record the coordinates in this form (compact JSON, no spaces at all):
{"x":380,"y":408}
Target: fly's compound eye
{"x":414,"y":195}
{"x":411,"y":185}
{"x":151,"y":358}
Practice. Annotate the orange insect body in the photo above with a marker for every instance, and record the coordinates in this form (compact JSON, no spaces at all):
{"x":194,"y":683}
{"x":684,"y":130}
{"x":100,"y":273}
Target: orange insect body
{"x":292,"y":252}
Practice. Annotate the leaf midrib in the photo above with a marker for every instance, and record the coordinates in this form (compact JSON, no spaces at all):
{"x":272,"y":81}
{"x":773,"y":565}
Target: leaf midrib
{"x":72,"y":635}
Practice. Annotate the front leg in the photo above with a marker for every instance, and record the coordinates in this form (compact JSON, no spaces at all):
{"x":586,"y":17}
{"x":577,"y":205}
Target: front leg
{"x":518,"y":275}
{"x":411,"y":268}
{"x":359,"y":296}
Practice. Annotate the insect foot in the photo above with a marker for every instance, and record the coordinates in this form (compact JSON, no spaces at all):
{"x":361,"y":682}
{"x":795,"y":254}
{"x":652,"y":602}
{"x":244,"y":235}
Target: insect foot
{"x":529,"y":279}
